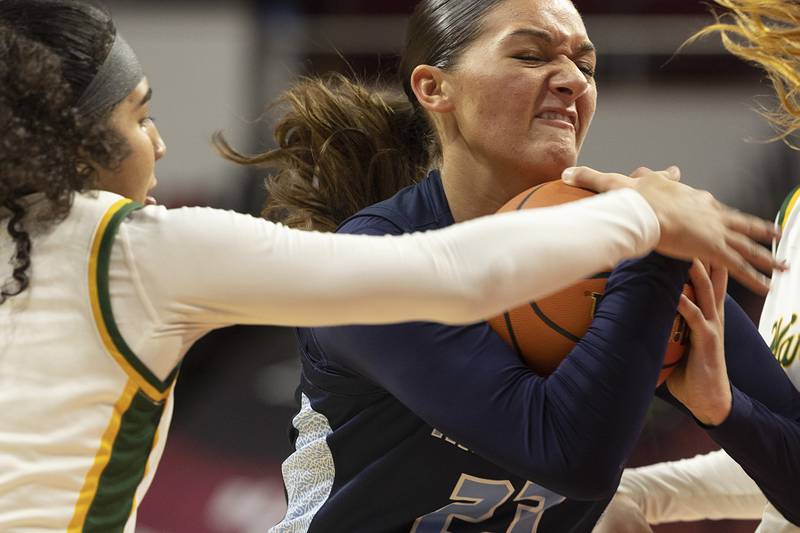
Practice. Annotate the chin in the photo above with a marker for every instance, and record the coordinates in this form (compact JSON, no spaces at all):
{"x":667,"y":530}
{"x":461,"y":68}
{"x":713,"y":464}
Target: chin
{"x":549,"y":165}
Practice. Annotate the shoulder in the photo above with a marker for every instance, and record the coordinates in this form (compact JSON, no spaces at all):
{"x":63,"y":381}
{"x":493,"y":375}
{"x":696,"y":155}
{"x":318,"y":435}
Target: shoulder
{"x":98,"y":203}
{"x":202,"y":223}
{"x":372,"y":224}
{"x":405,"y":212}
{"x":789,"y":208}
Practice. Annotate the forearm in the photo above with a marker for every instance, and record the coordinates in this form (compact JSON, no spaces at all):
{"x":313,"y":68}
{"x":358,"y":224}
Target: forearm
{"x":762,"y":433}
{"x":706,"y":487}
{"x":216,"y":268}
{"x":610,"y":385}
{"x":515,"y":259}
{"x":570,"y":432}
{"x":766,"y":446}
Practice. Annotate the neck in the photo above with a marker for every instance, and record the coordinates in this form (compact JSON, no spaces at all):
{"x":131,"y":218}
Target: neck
{"x":473,"y":189}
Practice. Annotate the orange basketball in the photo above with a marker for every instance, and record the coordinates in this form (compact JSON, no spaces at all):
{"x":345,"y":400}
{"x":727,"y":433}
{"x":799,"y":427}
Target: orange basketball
{"x":544,"y":331}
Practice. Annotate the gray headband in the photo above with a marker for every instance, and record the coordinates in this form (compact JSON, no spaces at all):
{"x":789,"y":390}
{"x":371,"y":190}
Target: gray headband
{"x":119,"y":74}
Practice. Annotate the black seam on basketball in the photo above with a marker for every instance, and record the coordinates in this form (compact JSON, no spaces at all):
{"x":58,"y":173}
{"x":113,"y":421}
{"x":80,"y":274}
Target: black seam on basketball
{"x":525,"y":200}
{"x":544,"y":318}
{"x":558,"y":329}
{"x":670,"y":365}
{"x":511,"y":334}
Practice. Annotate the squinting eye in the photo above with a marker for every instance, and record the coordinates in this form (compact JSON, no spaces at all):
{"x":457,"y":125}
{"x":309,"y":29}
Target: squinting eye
{"x":532,"y":59}
{"x":147,"y":121}
{"x":588,"y":70}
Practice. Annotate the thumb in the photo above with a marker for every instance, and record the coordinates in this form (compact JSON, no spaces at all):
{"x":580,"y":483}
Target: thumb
{"x":593,"y":180}
{"x":674,"y":173}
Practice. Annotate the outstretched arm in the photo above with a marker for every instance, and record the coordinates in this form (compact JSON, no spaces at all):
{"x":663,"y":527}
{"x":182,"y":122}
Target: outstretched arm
{"x":207,"y":267}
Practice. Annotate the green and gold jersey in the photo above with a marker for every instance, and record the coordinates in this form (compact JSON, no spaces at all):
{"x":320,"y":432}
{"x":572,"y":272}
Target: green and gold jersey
{"x":780,"y":320}
{"x":82,"y":420}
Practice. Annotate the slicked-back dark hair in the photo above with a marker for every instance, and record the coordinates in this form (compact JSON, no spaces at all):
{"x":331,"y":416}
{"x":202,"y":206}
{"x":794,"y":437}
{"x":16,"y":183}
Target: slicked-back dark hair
{"x":342,"y":146}
{"x":50,"y":50}
{"x":439,"y":31}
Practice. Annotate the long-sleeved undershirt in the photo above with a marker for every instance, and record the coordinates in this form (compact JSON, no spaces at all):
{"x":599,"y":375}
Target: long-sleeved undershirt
{"x":176,"y":274}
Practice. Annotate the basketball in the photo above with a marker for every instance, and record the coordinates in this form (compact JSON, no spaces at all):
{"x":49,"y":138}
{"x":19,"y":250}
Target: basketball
{"x":543,"y":332}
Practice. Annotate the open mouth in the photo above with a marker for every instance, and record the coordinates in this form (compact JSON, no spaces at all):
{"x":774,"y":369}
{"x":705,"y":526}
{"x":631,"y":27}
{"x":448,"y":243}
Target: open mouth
{"x":560,"y":118}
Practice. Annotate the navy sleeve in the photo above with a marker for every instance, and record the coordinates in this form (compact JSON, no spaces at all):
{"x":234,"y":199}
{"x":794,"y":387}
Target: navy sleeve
{"x":762,"y":433}
{"x":571,"y":432}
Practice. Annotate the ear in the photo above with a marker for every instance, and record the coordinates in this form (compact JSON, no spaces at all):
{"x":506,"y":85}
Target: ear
{"x":431,"y":89}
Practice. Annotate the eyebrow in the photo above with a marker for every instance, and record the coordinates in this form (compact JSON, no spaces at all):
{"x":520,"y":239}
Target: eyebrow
{"x":585,"y":48}
{"x":147,"y":97}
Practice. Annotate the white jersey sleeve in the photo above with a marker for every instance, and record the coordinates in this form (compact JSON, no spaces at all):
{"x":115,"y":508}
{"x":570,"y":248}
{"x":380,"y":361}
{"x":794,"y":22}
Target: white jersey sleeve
{"x":774,"y":522}
{"x":706,"y":487}
{"x":176,"y":274}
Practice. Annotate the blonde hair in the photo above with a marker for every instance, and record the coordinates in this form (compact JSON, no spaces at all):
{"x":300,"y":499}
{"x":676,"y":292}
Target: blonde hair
{"x":767,"y":33}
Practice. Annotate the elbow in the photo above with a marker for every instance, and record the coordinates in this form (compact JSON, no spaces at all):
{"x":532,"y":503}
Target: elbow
{"x":595,"y":486}
{"x":596,"y":474}
{"x":589,"y":480}
{"x":792,"y":515}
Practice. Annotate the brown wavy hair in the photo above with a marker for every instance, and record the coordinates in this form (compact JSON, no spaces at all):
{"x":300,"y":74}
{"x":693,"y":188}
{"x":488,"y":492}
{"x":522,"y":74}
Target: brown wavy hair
{"x":49,"y":52}
{"x":766,"y":33}
{"x":342,"y":146}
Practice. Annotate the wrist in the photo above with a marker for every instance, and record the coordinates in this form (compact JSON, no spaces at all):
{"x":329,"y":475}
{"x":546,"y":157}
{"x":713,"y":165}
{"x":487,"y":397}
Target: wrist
{"x":715,"y":414}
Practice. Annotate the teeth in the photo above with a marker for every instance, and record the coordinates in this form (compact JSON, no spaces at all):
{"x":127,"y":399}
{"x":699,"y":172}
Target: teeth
{"x":550,"y":115}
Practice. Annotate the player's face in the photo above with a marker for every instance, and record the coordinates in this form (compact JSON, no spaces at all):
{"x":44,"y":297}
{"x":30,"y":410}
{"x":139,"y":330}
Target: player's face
{"x":524,"y":91}
{"x":135,"y":176}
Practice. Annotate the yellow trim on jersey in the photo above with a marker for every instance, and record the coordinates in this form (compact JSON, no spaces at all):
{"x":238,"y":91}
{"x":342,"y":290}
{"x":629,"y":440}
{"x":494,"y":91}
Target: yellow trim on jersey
{"x":102,"y":327}
{"x":92,"y":481}
{"x":789,"y":207}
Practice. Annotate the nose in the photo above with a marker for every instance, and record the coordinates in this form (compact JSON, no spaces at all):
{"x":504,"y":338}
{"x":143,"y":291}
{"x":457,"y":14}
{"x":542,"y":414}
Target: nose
{"x":159,"y":146}
{"x":569,"y":83}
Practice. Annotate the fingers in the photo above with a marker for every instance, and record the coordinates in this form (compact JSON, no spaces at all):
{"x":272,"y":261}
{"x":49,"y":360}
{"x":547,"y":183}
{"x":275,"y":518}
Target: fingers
{"x":719,"y":280}
{"x":703,"y":290}
{"x":741,"y":270}
{"x":691,"y":314}
{"x":753,"y":253}
{"x":591,"y":179}
{"x":641,"y":172}
{"x":672,"y":173}
{"x":753,"y":227}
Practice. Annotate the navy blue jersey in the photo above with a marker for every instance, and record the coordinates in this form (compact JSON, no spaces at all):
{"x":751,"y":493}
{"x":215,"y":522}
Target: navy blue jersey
{"x":430,"y":428}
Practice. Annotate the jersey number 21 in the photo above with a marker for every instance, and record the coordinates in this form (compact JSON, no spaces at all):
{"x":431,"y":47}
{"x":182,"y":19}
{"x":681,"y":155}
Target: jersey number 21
{"x":475,"y":500}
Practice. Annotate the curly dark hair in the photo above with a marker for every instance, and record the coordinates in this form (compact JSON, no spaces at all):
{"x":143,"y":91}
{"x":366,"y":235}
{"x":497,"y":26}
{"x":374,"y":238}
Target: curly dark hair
{"x":49,"y":52}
